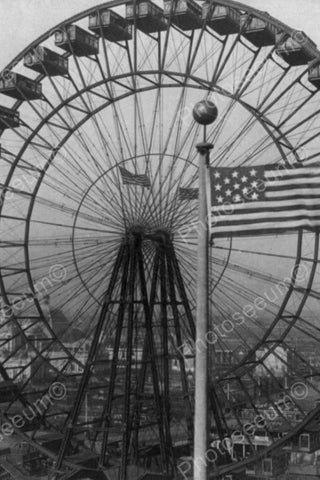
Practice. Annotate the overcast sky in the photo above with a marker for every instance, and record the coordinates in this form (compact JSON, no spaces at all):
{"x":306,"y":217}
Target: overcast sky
{"x":22,"y":21}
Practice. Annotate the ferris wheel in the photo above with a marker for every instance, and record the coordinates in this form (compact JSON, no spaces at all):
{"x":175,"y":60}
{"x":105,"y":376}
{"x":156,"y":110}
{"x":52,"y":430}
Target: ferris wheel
{"x":98,"y":211}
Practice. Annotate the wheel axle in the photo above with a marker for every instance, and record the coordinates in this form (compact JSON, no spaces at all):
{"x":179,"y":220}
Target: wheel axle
{"x":161,"y":237}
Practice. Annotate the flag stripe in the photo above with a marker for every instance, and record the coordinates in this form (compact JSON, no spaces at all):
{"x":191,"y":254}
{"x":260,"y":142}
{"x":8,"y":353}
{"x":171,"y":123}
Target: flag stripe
{"x":301,"y":193}
{"x":287,"y":184}
{"x":270,"y":211}
{"x":290,"y":172}
{"x":263,"y":199}
{"x":265,"y":228}
{"x":288,"y":203}
{"x":269,"y":215}
{"x":295,"y":178}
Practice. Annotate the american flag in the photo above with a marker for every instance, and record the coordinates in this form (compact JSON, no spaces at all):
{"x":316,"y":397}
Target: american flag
{"x":264,"y":199}
{"x":129,"y":178}
{"x":188,"y":193}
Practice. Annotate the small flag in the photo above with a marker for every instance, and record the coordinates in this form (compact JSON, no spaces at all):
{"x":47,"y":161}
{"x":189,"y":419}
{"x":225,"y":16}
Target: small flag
{"x":129,"y":178}
{"x":264,"y":199}
{"x":188,"y":193}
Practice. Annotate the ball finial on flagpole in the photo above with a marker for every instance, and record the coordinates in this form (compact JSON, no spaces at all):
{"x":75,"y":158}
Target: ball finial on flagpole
{"x":205,"y":112}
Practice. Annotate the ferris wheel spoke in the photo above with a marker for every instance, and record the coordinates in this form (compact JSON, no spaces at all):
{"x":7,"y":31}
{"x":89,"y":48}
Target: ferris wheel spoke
{"x":300,"y":105}
{"x":40,"y":280}
{"x":309,"y":329}
{"x":110,"y":194}
{"x":177,"y":213}
{"x":60,"y":254}
{"x":115,"y":60}
{"x":177,"y":53}
{"x":239,"y":293}
{"x":63,"y":190}
{"x":173,"y":183}
{"x":282,"y":93}
{"x":231,"y":266}
{"x":70,"y":212}
{"x":170,"y":184}
{"x":146,"y":60}
{"x":144,"y":143}
{"x":34,"y":146}
{"x":81,"y":141}
{"x":41,"y":116}
{"x":119,"y":122}
{"x":110,"y":92}
{"x":87,"y":257}
{"x":83,"y":307}
{"x":253,"y":72}
{"x":84,"y":270}
{"x":184,"y":215}
{"x":191,"y":67}
{"x":85,"y":141}
{"x":156,"y":114}
{"x":235,"y":140}
{"x":302,"y":122}
{"x":249,"y":272}
{"x":225,"y":115}
{"x":165,"y":178}
{"x":260,"y":149}
{"x":244,"y":129}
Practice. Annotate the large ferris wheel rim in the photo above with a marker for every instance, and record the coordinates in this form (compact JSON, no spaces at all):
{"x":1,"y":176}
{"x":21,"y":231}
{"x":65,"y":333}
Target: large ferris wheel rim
{"x":115,"y":3}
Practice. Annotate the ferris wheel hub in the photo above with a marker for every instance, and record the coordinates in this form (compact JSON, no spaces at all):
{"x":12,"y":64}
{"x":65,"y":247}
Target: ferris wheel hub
{"x":161,"y":237}
{"x":137,"y":230}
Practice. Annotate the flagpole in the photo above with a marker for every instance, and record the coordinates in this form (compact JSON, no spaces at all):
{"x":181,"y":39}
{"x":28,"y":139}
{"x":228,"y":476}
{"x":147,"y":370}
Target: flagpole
{"x":204,"y":112}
